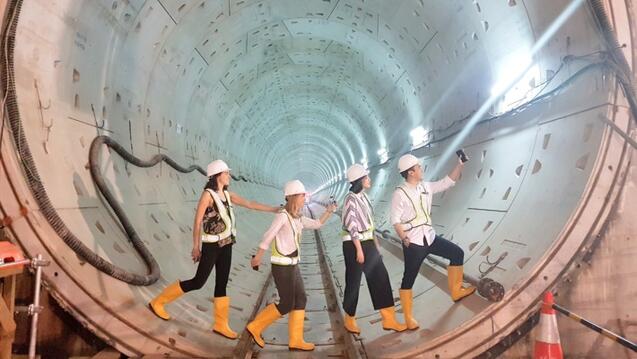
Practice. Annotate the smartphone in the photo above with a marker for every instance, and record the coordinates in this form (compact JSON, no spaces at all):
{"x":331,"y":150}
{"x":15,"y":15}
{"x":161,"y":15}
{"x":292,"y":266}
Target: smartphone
{"x":463,"y":156}
{"x":256,"y":267}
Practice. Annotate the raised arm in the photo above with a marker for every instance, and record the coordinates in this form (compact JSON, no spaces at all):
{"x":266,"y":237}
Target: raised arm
{"x":449,"y":180}
{"x":328,"y":212}
{"x":310,"y":223}
{"x":455,"y":172}
{"x":240,"y":201}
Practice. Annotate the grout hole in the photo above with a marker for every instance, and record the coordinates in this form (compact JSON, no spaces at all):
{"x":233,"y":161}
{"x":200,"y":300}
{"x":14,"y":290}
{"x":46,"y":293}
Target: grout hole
{"x":506,"y":194}
{"x":522,"y":262}
{"x":581,"y":162}
{"x":118,"y":248}
{"x":547,"y":139}
{"x":486,"y":251}
{"x":99,"y":227}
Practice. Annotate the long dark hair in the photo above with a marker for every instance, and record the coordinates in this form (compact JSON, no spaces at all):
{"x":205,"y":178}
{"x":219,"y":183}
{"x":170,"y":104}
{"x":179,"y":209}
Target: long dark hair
{"x":212,"y":183}
{"x":357,"y":186}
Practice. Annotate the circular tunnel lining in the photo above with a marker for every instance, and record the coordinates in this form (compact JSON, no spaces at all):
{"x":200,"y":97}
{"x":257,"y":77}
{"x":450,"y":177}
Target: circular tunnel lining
{"x":282,"y":90}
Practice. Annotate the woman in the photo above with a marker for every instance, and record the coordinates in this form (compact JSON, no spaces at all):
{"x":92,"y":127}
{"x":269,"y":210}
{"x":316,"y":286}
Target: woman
{"x":284,"y":237}
{"x":215,"y":215}
{"x":361,"y":252}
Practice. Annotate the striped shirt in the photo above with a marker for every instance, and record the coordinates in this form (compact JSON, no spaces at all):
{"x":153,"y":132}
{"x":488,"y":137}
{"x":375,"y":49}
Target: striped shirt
{"x":356,"y":213}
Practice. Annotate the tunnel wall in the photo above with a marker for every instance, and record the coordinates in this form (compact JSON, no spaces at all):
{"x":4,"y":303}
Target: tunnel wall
{"x":128,"y":70}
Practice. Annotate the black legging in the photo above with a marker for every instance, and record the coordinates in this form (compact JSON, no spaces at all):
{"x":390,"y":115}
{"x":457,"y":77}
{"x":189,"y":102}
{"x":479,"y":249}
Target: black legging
{"x":211,"y":255}
{"x":375,"y":274}
{"x":415,"y":255}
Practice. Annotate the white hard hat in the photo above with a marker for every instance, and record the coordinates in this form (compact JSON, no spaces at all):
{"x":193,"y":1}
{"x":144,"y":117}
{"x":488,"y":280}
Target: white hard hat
{"x":355,"y":172}
{"x":406,"y":162}
{"x":293,"y":187}
{"x":217,"y":166}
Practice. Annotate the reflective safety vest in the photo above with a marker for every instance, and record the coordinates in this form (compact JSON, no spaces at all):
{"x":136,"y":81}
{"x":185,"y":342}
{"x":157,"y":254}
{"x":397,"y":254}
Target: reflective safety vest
{"x":287,"y":260}
{"x":227,"y":216}
{"x":369,"y":233}
{"x":422,"y":217}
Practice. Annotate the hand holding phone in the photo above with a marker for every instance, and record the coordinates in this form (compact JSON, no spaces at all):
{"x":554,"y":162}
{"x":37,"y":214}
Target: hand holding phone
{"x":463,"y":156}
{"x":255,"y":267}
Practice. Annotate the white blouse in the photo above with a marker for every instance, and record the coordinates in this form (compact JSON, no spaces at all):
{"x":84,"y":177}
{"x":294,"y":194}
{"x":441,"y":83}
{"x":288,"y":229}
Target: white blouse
{"x":402,"y":208}
{"x":281,"y":231}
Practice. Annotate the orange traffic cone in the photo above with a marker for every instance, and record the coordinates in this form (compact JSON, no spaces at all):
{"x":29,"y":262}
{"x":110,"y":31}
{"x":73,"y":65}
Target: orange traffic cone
{"x":547,"y":341}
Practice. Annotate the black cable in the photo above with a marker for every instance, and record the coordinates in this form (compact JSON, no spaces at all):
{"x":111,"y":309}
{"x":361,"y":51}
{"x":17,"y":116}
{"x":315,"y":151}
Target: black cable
{"x":5,"y":46}
{"x":618,"y":60}
{"x":524,"y":106}
{"x":34,"y":182}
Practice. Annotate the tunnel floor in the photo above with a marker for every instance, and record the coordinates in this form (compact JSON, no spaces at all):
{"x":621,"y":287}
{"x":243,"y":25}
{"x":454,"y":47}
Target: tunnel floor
{"x":324,"y":284}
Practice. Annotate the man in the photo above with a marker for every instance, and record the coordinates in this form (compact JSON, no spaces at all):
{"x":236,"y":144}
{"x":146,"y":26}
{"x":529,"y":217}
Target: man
{"x":411,"y":218}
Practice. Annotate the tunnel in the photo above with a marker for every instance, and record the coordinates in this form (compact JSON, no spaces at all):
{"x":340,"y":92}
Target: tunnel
{"x":538,"y":94}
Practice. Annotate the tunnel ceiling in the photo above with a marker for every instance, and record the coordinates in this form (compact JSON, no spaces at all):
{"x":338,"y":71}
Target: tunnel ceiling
{"x":358,"y":74}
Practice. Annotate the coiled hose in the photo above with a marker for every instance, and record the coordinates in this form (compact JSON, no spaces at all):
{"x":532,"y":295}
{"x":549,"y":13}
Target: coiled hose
{"x":39,"y":192}
{"x":134,"y":238}
{"x":33,"y":178}
{"x":35,"y":183}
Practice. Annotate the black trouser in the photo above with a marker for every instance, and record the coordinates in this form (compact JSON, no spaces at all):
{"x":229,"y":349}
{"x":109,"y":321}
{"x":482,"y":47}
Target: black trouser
{"x":289,"y":283}
{"x":211,"y":255}
{"x":415,"y":255}
{"x":375,"y":274}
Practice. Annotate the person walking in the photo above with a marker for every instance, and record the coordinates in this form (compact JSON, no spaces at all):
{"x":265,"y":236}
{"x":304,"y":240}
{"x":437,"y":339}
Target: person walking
{"x":283,"y":238}
{"x":212,"y":248}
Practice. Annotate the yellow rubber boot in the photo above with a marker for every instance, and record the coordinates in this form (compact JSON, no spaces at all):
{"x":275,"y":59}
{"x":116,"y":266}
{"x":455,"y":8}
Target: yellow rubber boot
{"x":350,"y":324}
{"x":456,"y":290}
{"x":169,"y":294}
{"x":222,"y":305}
{"x":406,"y":300}
{"x":266,"y":317}
{"x":389,"y":320}
{"x":295,"y":329}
